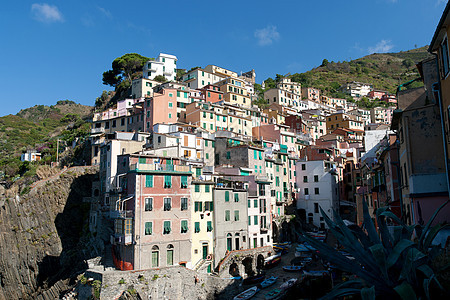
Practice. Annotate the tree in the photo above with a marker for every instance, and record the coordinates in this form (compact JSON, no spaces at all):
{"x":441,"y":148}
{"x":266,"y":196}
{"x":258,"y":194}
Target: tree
{"x":160,"y":78}
{"x":324,"y":63}
{"x":124,"y":68}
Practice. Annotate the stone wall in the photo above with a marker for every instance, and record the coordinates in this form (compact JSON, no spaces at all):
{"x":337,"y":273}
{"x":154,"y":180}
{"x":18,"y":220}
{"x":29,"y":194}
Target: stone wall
{"x":166,"y":283}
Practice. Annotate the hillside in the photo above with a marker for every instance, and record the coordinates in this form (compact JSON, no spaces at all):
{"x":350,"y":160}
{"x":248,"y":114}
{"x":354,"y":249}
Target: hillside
{"x":38,"y":128}
{"x":384,"y":70}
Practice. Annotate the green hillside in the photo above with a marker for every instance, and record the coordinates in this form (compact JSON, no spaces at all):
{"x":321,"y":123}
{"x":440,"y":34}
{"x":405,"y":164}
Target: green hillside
{"x":384,"y":70}
{"x":39,"y":127}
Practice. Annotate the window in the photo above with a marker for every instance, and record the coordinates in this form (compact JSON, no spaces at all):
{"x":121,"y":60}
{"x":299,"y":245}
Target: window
{"x":236,"y":197}
{"x":184,"y":183}
{"x":227,"y":215}
{"x":170,"y":116}
{"x":316,"y":208}
{"x":207,"y":188}
{"x":305,"y":178}
{"x":316,"y":178}
{"x":236,"y":215}
{"x":155,"y":256}
{"x":148,"y":204}
{"x":184,"y":203}
{"x":227,"y":196}
{"x":197,"y":188}
{"x":249,"y":221}
{"x":255,"y":220}
{"x":167,"y":181}
{"x":148,"y":180}
{"x":198,"y":172}
{"x":167,"y":204}
{"x":197,"y":227}
{"x":166,"y":228}
{"x":277,"y":181}
{"x":306,"y":191}
{"x":170,"y":104}
{"x":445,"y":58}
{"x":209,"y":227}
{"x":316,"y":191}
{"x":209,"y":206}
{"x":303,"y":167}
{"x":170,"y":255}
{"x":197,"y":206}
{"x":255,"y":203}
{"x":184,"y":226}
{"x":148,"y":228}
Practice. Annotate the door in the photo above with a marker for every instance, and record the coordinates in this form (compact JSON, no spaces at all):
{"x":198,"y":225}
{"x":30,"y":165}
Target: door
{"x":155,"y":259}
{"x":229,"y":244}
{"x":205,"y":251}
{"x":170,"y":257}
{"x":237,"y":243}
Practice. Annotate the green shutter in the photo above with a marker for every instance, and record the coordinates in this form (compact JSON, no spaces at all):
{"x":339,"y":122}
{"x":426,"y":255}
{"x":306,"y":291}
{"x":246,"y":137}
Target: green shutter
{"x":227,"y":215}
{"x":211,"y":206}
{"x":254,"y":154}
{"x":206,"y":143}
{"x":148,"y":180}
{"x":255,"y":203}
{"x":166,"y":227}
{"x":184,"y":182}
{"x":236,"y":215}
{"x":249,"y":221}
{"x":142,"y":160}
{"x":167,"y":181}
{"x":249,"y":202}
{"x":228,"y":155}
{"x":198,"y":172}
{"x":197,"y":188}
{"x":209,"y":226}
{"x":260,"y":155}
{"x":197,"y":227}
{"x":236,"y":197}
{"x":148,"y":228}
{"x":227,"y":196}
{"x":255,"y":219}
{"x":207,"y":188}
{"x":184,"y":226}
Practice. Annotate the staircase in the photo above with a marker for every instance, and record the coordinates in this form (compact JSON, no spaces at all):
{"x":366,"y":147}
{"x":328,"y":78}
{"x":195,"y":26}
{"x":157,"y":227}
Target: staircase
{"x":199,"y":264}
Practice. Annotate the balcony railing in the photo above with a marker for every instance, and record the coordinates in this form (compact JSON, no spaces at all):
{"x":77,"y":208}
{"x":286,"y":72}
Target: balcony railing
{"x":122,"y":214}
{"x":121,"y":239}
{"x":97,"y":130}
{"x":160,"y":167}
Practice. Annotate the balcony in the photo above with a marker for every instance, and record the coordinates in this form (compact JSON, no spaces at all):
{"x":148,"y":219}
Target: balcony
{"x":160,"y":168}
{"x":122,"y":214}
{"x":121,"y":239}
{"x":97,"y":130}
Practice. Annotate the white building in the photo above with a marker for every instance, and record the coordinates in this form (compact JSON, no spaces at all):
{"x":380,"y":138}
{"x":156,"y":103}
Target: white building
{"x":198,"y":78}
{"x":30,"y":156}
{"x":164,"y":64}
{"x":317,"y":187}
{"x":357,"y":89}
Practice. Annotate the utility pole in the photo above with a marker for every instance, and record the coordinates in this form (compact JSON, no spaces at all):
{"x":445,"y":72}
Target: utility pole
{"x":57,"y":151}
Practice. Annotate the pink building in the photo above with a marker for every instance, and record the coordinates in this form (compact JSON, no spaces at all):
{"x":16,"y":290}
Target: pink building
{"x":152,"y":226}
{"x":161,"y":108}
{"x":388,"y":98}
{"x":376,"y":94}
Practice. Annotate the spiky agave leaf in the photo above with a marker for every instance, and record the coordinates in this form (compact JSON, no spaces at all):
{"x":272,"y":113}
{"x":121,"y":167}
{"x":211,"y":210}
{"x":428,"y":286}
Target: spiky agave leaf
{"x":425,"y":230}
{"x":351,"y":287}
{"x":369,"y":226}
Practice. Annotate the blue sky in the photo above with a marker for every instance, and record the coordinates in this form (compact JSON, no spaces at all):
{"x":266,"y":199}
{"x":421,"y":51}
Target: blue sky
{"x":59,"y":49}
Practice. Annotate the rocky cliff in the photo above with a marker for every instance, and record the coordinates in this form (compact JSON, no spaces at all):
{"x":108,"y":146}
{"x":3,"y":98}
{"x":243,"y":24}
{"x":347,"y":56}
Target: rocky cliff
{"x":43,"y":235}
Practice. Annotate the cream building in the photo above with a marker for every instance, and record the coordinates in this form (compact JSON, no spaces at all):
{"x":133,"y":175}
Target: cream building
{"x":164,"y":65}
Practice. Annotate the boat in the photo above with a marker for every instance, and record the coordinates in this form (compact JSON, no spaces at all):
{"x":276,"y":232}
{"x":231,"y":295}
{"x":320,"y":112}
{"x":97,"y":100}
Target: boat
{"x":272,"y":261}
{"x":284,"y":244}
{"x":247,"y":294}
{"x":280,"y":250}
{"x":317,"y":273}
{"x":275,"y":294}
{"x":292,"y":268}
{"x":303,"y":254}
{"x":288,"y":284}
{"x":254,"y":279}
{"x":268,"y":282}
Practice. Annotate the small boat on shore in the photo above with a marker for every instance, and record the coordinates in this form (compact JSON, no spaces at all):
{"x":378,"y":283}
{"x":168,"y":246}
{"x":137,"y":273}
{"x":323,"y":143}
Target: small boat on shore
{"x":268,"y":282}
{"x":275,"y":294}
{"x":318,"y":273}
{"x":254,"y":279}
{"x":288,"y":284}
{"x":292,"y":268}
{"x":247,"y":294}
{"x":272,"y":261}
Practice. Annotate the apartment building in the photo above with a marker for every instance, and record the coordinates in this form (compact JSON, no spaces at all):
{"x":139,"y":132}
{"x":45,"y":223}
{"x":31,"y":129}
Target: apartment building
{"x":343,"y":120}
{"x":143,"y":88}
{"x":317,"y":185}
{"x":152,"y":220}
{"x":198,"y":78}
{"x":357,"y":89}
{"x":164,"y":65}
{"x":234,"y":91}
{"x":309,"y":93}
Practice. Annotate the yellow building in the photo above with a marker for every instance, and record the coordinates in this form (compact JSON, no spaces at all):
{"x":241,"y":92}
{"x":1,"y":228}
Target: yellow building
{"x":202,"y":232}
{"x":343,"y":120}
{"x":234,"y":91}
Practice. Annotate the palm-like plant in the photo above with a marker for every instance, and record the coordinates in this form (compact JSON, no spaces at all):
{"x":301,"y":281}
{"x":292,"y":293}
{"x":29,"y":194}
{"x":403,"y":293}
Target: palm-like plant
{"x":388,"y":265}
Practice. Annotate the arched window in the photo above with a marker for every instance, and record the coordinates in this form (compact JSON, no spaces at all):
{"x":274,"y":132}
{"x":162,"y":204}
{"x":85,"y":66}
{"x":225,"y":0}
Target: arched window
{"x":155,"y":256}
{"x":170,"y":255}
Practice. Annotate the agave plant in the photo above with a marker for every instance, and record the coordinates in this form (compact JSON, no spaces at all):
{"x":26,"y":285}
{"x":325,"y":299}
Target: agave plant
{"x":386,"y":265}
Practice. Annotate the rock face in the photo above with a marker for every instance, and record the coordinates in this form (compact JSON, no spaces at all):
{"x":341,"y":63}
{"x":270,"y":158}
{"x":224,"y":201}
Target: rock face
{"x":42,"y":234}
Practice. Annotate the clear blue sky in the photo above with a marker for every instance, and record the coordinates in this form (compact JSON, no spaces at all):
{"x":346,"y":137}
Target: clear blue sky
{"x":59,"y":49}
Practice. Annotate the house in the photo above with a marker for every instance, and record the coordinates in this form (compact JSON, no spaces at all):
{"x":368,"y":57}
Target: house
{"x":234,"y":91}
{"x":317,"y":184}
{"x":286,"y":94}
{"x":143,"y":88}
{"x":423,"y":173}
{"x":198,"y":78}
{"x":164,"y":65}
{"x":309,"y":93}
{"x":357,"y":89}
{"x":30,"y":155}
{"x":151,"y":227}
